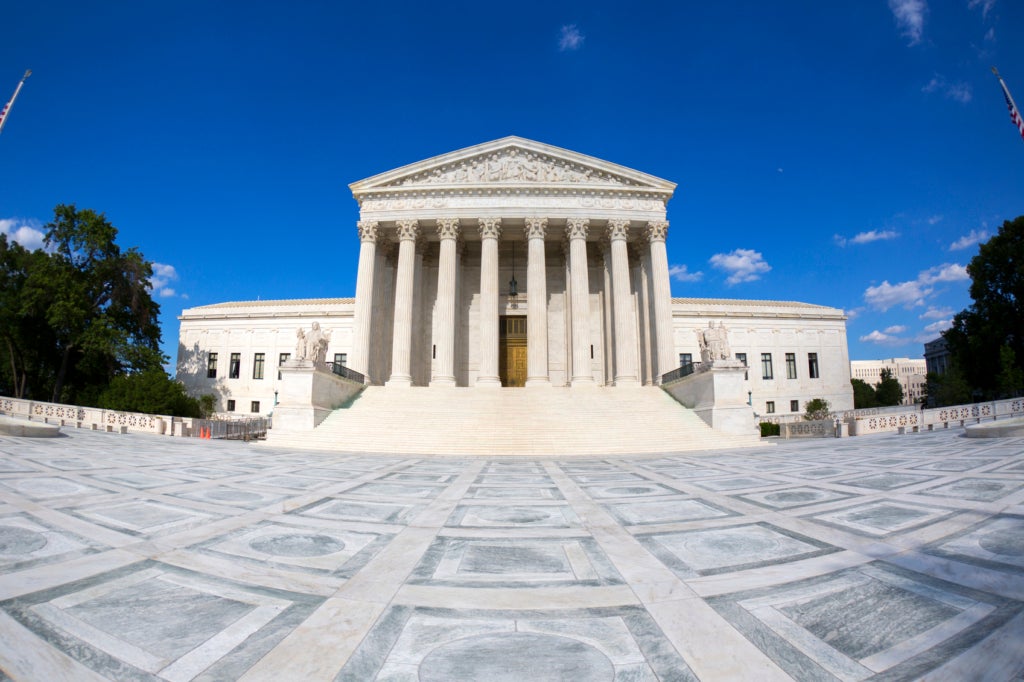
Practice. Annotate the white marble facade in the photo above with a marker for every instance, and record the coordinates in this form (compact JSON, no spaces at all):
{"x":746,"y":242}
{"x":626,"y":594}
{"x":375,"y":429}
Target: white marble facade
{"x":440,"y":241}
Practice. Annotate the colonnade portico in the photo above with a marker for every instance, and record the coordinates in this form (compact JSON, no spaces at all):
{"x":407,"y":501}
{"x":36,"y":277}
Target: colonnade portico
{"x":416,"y":240}
{"x":439,"y":240}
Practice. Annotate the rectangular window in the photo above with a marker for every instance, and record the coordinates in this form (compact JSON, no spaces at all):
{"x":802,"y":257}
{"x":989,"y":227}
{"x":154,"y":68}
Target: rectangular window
{"x":211,"y":366}
{"x":341,"y":359}
{"x":812,"y":365}
{"x":257,"y":366}
{"x":794,"y":405}
{"x":685,"y":359}
{"x":281,"y":359}
{"x":236,"y":366}
{"x":766,"y":366}
{"x":791,"y":365}
{"x":255,"y":406}
{"x":231,"y":406}
{"x":769,"y":407}
{"x":742,"y":357}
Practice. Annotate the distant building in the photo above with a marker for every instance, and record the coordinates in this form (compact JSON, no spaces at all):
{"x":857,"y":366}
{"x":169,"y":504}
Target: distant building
{"x":910,"y":374}
{"x":937,"y":357}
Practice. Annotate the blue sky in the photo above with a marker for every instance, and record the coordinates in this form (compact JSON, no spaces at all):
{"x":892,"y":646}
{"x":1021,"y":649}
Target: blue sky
{"x":849,"y":154}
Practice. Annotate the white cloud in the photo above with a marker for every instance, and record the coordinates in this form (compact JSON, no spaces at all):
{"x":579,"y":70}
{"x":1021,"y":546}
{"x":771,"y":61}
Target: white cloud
{"x":909,"y":17}
{"x":969,"y":240}
{"x":854,"y":313}
{"x":990,"y":35}
{"x":24,"y":232}
{"x":934,"y":220}
{"x":743,"y":265}
{"x":882,"y":339}
{"x":914,"y":292}
{"x":681,"y":273}
{"x":958,"y":91}
{"x":934,"y":313}
{"x":938,"y":326}
{"x":906,"y":294}
{"x":570,"y":38}
{"x":985,"y":5}
{"x":895,"y":329}
{"x":163,"y":275}
{"x":947,"y":272}
{"x":866,"y":237}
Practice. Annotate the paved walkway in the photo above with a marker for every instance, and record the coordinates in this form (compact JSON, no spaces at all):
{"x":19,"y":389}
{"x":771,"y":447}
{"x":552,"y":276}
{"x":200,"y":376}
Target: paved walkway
{"x":144,"y":558}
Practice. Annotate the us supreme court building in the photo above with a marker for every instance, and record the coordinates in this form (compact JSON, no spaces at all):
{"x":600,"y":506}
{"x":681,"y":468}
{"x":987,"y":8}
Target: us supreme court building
{"x":515,"y":264}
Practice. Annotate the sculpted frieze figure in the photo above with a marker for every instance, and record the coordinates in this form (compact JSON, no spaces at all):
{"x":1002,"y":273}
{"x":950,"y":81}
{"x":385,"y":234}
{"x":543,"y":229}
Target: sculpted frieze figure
{"x":714,"y":343}
{"x":512,"y":166}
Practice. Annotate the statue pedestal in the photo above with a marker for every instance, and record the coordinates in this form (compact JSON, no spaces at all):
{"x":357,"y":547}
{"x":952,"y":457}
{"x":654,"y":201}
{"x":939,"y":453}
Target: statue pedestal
{"x":717,"y":395}
{"x":308,"y":394}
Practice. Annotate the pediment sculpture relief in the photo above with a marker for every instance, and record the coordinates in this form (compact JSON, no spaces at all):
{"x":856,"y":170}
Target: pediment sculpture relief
{"x":512,"y":166}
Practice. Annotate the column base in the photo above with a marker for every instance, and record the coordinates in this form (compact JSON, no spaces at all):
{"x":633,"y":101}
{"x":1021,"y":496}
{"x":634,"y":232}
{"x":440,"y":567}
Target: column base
{"x":628,"y":382}
{"x":540,"y":381}
{"x":489,"y":382}
{"x":583,"y":381}
{"x":400,"y":382}
{"x":442,"y":381}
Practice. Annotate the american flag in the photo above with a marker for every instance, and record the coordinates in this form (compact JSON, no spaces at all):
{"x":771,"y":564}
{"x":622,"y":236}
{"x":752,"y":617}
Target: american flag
{"x":1014,"y":112}
{"x":7,"y":107}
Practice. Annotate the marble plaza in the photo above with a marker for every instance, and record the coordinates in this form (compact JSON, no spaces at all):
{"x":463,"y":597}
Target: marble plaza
{"x":130,"y":557}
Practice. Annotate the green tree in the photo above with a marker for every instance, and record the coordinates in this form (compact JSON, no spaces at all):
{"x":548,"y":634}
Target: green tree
{"x":863,"y":394}
{"x":151,"y":392}
{"x":888,"y":391}
{"x":95,"y":301}
{"x":816,"y":409}
{"x":1011,"y":379}
{"x":996,"y":316}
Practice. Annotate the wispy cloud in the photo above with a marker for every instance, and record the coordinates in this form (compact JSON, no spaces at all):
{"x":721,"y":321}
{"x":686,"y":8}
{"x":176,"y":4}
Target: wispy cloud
{"x":934,"y":313}
{"x":895,"y":329}
{"x":163,"y":276}
{"x":882,"y":339}
{"x":985,"y":5}
{"x":957,"y":91}
{"x":909,"y":16}
{"x":25,"y":232}
{"x":938,"y":326}
{"x":570,"y":38}
{"x":681,"y":273}
{"x":866,"y":237}
{"x":743,"y":265}
{"x":934,"y":220}
{"x":969,"y":240}
{"x":914,"y":292}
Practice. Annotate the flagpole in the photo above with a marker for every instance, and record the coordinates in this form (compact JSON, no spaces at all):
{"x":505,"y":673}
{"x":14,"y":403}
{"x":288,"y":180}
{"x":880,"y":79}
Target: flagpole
{"x":1014,"y":111}
{"x":10,"y":105}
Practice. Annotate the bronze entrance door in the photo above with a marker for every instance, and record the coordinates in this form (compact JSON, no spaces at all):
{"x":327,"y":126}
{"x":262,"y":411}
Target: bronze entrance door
{"x":512,"y":351}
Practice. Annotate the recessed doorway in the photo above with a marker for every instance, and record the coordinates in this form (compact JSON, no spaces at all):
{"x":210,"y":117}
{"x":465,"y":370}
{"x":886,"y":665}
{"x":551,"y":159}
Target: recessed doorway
{"x":512,"y":351}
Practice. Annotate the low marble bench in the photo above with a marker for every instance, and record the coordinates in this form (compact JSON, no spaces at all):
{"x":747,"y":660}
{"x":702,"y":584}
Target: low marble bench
{"x":10,"y":426}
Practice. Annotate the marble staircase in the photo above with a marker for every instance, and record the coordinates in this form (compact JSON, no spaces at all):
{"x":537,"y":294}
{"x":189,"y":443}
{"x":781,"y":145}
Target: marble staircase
{"x":512,"y":421}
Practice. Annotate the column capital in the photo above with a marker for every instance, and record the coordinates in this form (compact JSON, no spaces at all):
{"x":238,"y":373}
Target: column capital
{"x":448,"y":228}
{"x":577,"y":228}
{"x":368,"y":230}
{"x":536,"y":228}
{"x":657,"y":230}
{"x":408,"y":230}
{"x":490,"y":228}
{"x":618,"y":230}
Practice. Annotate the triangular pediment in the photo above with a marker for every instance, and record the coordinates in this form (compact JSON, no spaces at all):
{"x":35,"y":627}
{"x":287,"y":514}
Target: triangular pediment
{"x":511,"y":162}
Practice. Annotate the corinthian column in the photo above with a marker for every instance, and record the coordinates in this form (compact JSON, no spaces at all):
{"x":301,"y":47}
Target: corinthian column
{"x":536,"y":304}
{"x":364,"y":298}
{"x":444,"y":369}
{"x":490,"y":230}
{"x":576,"y":229}
{"x":401,"y":349}
{"x":625,"y":318}
{"x":657,"y":231}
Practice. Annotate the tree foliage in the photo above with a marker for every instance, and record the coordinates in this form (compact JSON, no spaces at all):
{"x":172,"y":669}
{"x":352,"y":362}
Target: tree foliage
{"x":888,"y":391}
{"x":817,"y":409}
{"x":151,"y":392}
{"x":77,"y":313}
{"x":996,"y":317}
{"x":947,"y":389}
{"x":863,"y":394}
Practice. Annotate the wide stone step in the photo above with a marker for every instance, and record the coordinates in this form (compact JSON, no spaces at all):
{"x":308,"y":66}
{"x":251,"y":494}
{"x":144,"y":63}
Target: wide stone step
{"x":503,"y":421}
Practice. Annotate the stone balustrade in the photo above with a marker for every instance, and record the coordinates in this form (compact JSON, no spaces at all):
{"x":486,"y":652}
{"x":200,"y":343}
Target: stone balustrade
{"x":94,"y":418}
